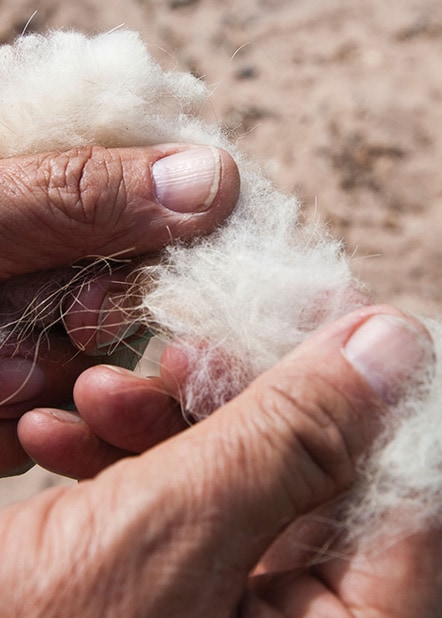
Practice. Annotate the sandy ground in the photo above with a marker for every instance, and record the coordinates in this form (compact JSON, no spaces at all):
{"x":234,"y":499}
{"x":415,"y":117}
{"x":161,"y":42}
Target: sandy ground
{"x":340,"y":100}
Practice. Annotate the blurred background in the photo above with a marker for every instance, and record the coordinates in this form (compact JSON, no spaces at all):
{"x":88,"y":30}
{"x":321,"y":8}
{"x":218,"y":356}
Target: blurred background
{"x":340,"y":101}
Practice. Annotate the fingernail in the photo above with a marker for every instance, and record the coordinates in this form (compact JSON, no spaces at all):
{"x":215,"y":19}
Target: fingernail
{"x":389,"y":353}
{"x":188,"y":181}
{"x":113,"y":327}
{"x":20,"y":380}
{"x":122,"y":371}
{"x":63,"y":415}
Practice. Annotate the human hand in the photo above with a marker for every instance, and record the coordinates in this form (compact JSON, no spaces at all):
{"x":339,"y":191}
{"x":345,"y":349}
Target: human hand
{"x":182,"y":529}
{"x":58,"y":208}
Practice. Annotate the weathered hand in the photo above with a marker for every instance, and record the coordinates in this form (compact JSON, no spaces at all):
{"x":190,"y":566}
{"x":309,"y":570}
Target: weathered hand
{"x":189,"y":527}
{"x":58,"y":208}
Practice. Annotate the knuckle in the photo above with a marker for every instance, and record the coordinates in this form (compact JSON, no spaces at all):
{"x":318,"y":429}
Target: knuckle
{"x":307,"y":420}
{"x":16,"y":181}
{"x":85,"y":184}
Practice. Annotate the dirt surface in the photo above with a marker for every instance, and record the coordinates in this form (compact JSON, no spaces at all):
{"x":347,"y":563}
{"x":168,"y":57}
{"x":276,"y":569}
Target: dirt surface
{"x":341,"y":101}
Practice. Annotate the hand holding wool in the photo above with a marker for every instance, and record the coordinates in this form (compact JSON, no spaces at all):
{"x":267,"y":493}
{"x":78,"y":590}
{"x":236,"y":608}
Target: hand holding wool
{"x":254,"y":289}
{"x":60,"y":207}
{"x":177,"y":531}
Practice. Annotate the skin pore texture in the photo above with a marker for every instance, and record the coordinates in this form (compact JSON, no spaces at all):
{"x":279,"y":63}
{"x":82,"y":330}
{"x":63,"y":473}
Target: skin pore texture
{"x":62,"y":355}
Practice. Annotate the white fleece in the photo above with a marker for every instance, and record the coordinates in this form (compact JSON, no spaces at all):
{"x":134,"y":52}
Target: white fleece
{"x":253,"y":289}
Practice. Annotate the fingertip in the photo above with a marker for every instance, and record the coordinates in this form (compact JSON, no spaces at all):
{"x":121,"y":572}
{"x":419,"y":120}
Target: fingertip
{"x":59,"y":441}
{"x":14,"y":459}
{"x":174,"y":369}
{"x":38,"y":430}
{"x":97,"y":385}
{"x":45,"y":437}
{"x":126,"y":410}
{"x":407,"y":353}
{"x":98,"y":314}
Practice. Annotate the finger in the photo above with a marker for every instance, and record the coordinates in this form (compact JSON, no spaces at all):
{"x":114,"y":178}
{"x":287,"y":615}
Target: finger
{"x":301,"y":594}
{"x":61,"y":207}
{"x":26,"y":382}
{"x":285,"y":446}
{"x":206,"y":504}
{"x":309,"y":540}
{"x":13,"y":460}
{"x":120,"y":414}
{"x":95,"y":304}
{"x":394,"y":579}
{"x":127,"y":410}
{"x":100,"y":316}
{"x":377,"y":577}
{"x":38,"y":361}
{"x":43,"y":373}
{"x":61,"y":442}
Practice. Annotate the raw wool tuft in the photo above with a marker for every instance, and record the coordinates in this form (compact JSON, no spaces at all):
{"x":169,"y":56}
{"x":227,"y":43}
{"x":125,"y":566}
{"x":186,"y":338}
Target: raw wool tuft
{"x":254,"y":302}
{"x":246,"y":295}
{"x":78,"y":91}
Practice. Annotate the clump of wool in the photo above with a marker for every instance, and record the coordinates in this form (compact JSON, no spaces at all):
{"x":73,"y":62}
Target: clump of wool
{"x":243,"y":296}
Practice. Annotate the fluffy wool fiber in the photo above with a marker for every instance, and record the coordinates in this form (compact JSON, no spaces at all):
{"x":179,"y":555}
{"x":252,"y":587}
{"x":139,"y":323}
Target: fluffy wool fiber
{"x":252,"y":290}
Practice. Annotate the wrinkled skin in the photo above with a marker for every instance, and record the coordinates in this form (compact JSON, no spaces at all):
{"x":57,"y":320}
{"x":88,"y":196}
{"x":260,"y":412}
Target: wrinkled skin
{"x":189,"y":524}
{"x":188,"y":527}
{"x":61,"y":208}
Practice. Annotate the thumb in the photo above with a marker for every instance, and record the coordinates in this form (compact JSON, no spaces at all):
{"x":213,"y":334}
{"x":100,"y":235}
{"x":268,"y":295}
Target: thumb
{"x":177,"y":530}
{"x":62,"y":207}
{"x":289,"y":443}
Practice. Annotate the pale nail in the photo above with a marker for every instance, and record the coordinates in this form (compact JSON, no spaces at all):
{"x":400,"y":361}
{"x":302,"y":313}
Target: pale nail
{"x":64,"y":415}
{"x":188,"y":181}
{"x":20,"y":380}
{"x":389,"y":353}
{"x":126,"y":373}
